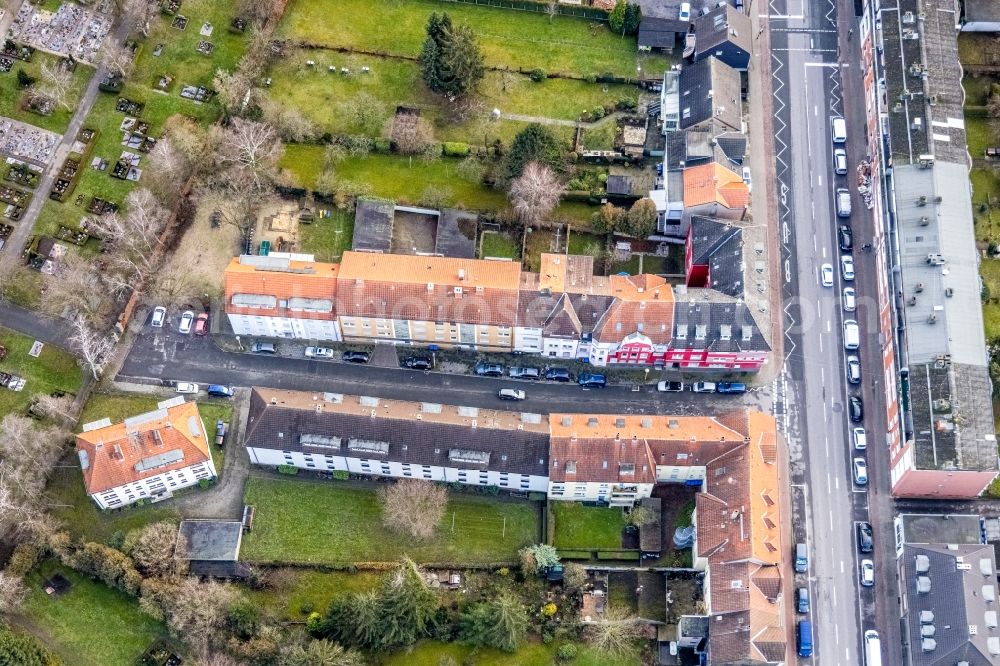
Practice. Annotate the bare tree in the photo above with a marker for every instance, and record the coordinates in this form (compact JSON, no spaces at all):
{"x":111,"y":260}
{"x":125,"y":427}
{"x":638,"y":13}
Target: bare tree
{"x":169,"y":168}
{"x":153,"y":549}
{"x":233,"y":90}
{"x":261,"y":11}
{"x":76,"y":287}
{"x":535,"y":193}
{"x":28,"y":453}
{"x":91,"y":346}
{"x":411,"y":134}
{"x":616,"y":631}
{"x":237,"y":198}
{"x":366,"y":111}
{"x":198,"y":609}
{"x":289,"y":122}
{"x":132,"y":239}
{"x":57,"y":408}
{"x":191,"y":140}
{"x":57,"y":83}
{"x":414,"y":507}
{"x":251,"y":148}
{"x":140,"y":14}
{"x":116,"y":58}
{"x":551,"y":9}
{"x":12,"y":593}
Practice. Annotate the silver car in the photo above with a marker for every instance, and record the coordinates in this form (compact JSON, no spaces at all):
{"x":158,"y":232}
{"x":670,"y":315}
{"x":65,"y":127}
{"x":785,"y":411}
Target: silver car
{"x":850,"y":300}
{"x":187,"y":320}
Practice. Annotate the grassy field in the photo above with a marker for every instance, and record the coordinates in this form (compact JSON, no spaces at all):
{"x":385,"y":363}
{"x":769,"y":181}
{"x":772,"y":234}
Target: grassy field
{"x":316,"y":91}
{"x":12,"y":96}
{"x":433,"y":653}
{"x":507,"y":38}
{"x":579,"y":526}
{"x":90,"y":624}
{"x":53,"y":370}
{"x":327,"y":238}
{"x":292,"y":589}
{"x":498,"y":244}
{"x":326,"y":523}
{"x":990,"y":270}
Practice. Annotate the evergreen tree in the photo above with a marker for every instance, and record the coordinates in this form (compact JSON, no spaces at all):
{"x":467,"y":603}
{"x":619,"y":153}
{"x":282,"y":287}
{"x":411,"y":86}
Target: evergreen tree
{"x":430,"y":57}
{"x":632,"y":19}
{"x":640,"y":222}
{"x":408,"y":607}
{"x":366,"y":619}
{"x":17,"y":649}
{"x":500,"y":622}
{"x":534,"y":143}
{"x":450,"y":59}
{"x":616,"y":19}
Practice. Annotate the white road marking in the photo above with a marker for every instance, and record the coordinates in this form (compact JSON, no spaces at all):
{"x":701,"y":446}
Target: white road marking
{"x":847,"y":653}
{"x":842,"y":566}
{"x":833,"y":596}
{"x":824,"y":252}
{"x":836,"y":633}
{"x":815,"y":246}
{"x":827,"y":326}
{"x":836,"y":482}
{"x":831,"y":520}
{"x":783,"y":17}
{"x":819,"y":180}
{"x":829,"y":487}
{"x":816,"y":110}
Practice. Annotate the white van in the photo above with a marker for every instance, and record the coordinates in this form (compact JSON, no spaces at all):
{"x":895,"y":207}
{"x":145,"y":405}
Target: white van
{"x":852,"y":335}
{"x":843,"y":202}
{"x":839,"y":129}
{"x":860,"y":439}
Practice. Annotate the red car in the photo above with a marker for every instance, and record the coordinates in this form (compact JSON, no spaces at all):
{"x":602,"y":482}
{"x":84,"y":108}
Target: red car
{"x":201,"y":324}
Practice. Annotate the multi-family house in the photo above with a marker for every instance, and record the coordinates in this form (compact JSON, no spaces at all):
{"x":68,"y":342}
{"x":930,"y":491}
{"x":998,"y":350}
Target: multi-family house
{"x":723,"y":33}
{"x":147,"y":456}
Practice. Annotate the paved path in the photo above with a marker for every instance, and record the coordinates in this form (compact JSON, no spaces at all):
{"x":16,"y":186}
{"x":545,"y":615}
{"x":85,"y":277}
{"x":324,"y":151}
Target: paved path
{"x":19,"y":238}
{"x":40,"y":327}
{"x":542,"y":120}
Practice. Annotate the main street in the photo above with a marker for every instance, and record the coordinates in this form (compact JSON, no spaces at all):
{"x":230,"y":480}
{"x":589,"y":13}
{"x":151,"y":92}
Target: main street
{"x":811,"y":58}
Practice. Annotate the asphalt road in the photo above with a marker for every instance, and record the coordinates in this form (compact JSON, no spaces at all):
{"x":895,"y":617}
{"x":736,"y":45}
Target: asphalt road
{"x":165,"y":356}
{"x":812,"y":391}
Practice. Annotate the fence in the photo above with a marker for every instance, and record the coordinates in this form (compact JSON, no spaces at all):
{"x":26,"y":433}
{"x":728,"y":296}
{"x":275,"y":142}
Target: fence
{"x":539,"y":7}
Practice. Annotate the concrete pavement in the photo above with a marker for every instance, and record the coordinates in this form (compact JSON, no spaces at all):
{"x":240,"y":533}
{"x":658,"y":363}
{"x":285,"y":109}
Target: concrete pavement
{"x":47,"y":329}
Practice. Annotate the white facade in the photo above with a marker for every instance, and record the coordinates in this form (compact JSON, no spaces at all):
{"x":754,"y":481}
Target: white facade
{"x":153,"y":487}
{"x":376,"y":467}
{"x":528,"y":340}
{"x":285,"y":327}
{"x":531,"y":341}
{"x":615,"y":494}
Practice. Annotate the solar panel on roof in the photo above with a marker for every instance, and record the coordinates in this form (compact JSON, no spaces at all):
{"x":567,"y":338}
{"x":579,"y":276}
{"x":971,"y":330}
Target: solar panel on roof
{"x":136,"y":421}
{"x":159,"y":460}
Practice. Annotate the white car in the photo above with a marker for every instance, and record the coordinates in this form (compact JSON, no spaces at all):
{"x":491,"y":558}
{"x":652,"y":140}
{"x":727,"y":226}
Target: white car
{"x":187,"y":387}
{"x":839,"y":161}
{"x":860,"y":439}
{"x":867,"y":573}
{"x":187,"y":320}
{"x":319,"y":352}
{"x":850,"y":300}
{"x":860,"y":472}
{"x":159,"y":316}
{"x":847,"y":267}
{"x":703,"y":387}
{"x":853,"y":369}
{"x":510,"y":394}
{"x":826,"y":275}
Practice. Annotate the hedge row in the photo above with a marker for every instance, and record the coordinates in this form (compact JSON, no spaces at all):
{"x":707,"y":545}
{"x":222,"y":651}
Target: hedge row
{"x":541,"y":7}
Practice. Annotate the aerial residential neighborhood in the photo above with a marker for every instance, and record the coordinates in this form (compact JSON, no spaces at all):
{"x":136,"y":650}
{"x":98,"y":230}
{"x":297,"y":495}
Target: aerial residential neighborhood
{"x":480,"y":332}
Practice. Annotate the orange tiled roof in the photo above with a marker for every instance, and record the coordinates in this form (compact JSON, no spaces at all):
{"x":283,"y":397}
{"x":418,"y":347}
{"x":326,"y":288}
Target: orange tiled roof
{"x":566,"y":272}
{"x":643,"y":304}
{"x":713,"y":183}
{"x":308,"y":280}
{"x":113,"y":452}
{"x":417,"y":288}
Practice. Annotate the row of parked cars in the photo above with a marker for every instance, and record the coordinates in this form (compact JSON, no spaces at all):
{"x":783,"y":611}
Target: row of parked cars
{"x":188,"y":322}
{"x":703,"y":387}
{"x":552,"y":374}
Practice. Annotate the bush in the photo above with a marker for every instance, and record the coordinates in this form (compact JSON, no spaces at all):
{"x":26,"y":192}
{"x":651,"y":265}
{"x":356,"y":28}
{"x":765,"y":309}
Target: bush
{"x":341,"y":475}
{"x":597,"y":113}
{"x":290,"y":470}
{"x":204,"y":484}
{"x":626,"y":103}
{"x":314,"y":622}
{"x":566,"y":652}
{"x":305,"y":608}
{"x":455,"y":149}
{"x":537,"y":75}
{"x":24,"y":80}
{"x":383,"y":146}
{"x":591,"y":78}
{"x":22,"y":560}
{"x":606,"y":77}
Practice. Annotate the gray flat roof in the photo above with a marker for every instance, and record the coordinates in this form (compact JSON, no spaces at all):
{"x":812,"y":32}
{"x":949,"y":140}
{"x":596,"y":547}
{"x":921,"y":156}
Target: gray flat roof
{"x":920,"y":528}
{"x":372,"y":226}
{"x":211,"y":539}
{"x":456,"y":234}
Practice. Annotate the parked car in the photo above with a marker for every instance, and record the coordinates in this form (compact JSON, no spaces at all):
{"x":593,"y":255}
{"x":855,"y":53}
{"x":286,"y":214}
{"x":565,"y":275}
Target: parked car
{"x":670,"y":387}
{"x":703,"y":387}
{"x":510,"y":394}
{"x":484,"y":369}
{"x":319,"y":352}
{"x":263,"y":348}
{"x":839,"y":161}
{"x":847,"y":267}
{"x":860,"y":439}
{"x":839,"y":128}
{"x":159,"y":316}
{"x":853,"y":369}
{"x":558,"y":375}
{"x":187,"y":387}
{"x":845,"y":238}
{"x":220,"y":391}
{"x":860,"y":472}
{"x":418,"y":363}
{"x":849,"y":301}
{"x":592,"y":380}
{"x":747,"y":179}
{"x":826,"y":275}
{"x":867,"y":573}
{"x":865,"y":543}
{"x":187,"y":320}
{"x":730,"y":387}
{"x":356,"y":356}
{"x":201,"y":324}
{"x":856,"y":408}
{"x":843,"y":202}
{"x":524,"y":373}
{"x":802,"y":595}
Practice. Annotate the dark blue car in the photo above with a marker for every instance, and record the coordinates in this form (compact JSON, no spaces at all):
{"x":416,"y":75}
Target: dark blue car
{"x":590,"y":380}
{"x":220,"y":391}
{"x":730,"y":387}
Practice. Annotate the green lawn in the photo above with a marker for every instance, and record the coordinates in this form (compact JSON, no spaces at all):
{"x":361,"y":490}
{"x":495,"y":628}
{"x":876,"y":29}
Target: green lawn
{"x":12,"y":96}
{"x":433,"y":653}
{"x":325,"y":97}
{"x":290,"y":588}
{"x":979,"y":132}
{"x":579,"y":526}
{"x":990,"y":269}
{"x":329,"y":237}
{"x":54,"y":370}
{"x":90,"y":624}
{"x":328,"y":523}
{"x":513,"y":39}
{"x":498,"y":244}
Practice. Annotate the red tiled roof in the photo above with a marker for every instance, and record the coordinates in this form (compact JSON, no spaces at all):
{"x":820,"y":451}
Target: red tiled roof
{"x":305,"y":280}
{"x":713,"y":183}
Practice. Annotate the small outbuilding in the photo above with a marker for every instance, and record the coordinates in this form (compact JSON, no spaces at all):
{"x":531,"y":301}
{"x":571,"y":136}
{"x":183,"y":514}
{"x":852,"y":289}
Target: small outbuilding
{"x":212,"y":548}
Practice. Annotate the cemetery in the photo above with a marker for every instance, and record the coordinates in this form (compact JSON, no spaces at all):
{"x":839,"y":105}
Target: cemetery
{"x":27,"y":143}
{"x":72,"y":30}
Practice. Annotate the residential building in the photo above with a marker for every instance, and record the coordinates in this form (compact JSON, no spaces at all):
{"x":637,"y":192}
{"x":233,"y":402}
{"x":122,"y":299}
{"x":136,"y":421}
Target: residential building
{"x":440,"y":301}
{"x":395,"y":438}
{"x":723,"y":33}
{"x":980,"y":16}
{"x":662,"y":24}
{"x":147,"y":456}
{"x":709,"y":93}
{"x":938,"y":393}
{"x":712,"y":190}
{"x":282,"y":296}
{"x":713,"y":256}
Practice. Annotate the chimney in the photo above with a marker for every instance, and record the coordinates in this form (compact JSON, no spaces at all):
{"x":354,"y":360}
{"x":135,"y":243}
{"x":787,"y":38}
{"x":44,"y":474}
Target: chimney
{"x":461,"y":273}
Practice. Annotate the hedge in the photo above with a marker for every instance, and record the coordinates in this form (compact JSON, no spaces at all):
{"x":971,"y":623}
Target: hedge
{"x":456,"y":148}
{"x":575,"y":554}
{"x":541,"y":7}
{"x":618,"y":555}
{"x":290,"y":470}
